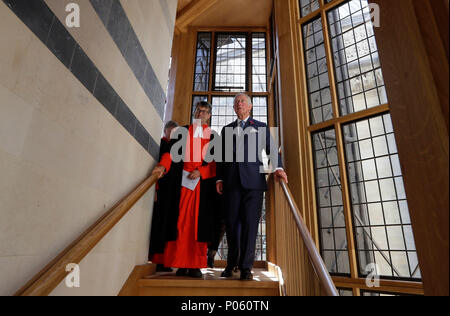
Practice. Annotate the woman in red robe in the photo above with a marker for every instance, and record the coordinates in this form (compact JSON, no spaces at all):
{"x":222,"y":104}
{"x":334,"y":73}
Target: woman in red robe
{"x":187,"y":252}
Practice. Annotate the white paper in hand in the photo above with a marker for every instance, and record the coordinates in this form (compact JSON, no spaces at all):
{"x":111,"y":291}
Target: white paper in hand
{"x":188,"y":183}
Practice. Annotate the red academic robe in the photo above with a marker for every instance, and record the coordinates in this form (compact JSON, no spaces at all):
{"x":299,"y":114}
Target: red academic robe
{"x":187,"y":251}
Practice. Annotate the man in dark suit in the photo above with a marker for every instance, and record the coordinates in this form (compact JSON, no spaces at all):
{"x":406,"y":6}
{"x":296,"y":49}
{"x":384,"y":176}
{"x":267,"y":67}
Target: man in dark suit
{"x":242,"y":182}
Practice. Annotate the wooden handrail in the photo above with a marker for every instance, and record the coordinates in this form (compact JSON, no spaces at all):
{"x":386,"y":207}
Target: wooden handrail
{"x":314,"y":256}
{"x":54,"y":273}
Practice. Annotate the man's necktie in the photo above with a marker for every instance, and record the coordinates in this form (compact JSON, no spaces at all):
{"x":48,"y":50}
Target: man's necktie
{"x":240,"y":133}
{"x":242,"y":124}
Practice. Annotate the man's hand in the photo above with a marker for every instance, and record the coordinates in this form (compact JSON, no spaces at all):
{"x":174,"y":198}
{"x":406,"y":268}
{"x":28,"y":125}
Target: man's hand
{"x":194,"y":175}
{"x":280,"y":174}
{"x":159,"y":171}
{"x":219,"y":187}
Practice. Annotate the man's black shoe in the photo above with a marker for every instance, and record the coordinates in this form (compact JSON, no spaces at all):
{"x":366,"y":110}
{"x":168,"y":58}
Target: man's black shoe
{"x":246,"y":275}
{"x":161,"y":268}
{"x":182,"y":272}
{"x":195,"y":273}
{"x":227,"y":273}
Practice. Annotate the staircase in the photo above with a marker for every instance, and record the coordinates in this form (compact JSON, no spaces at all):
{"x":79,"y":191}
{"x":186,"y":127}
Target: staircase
{"x":168,"y":284}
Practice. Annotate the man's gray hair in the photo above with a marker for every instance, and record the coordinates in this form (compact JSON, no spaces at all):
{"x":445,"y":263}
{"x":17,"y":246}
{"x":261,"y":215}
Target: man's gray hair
{"x":170,"y":124}
{"x":246,"y":95}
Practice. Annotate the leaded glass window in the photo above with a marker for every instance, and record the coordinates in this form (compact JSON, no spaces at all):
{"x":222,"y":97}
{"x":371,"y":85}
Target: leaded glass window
{"x":362,"y":209}
{"x":238,"y":65}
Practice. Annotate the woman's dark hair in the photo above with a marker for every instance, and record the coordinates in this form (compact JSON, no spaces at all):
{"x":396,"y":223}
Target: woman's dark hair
{"x":170,"y":124}
{"x":204,"y":104}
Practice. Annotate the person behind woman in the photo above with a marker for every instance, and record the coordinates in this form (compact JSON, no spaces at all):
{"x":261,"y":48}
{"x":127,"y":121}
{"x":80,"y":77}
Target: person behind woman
{"x":156,"y":243}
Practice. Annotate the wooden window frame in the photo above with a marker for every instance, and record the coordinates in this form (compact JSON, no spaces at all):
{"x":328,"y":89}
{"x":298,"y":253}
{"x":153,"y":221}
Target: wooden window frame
{"x":210,"y":93}
{"x":248,"y":31}
{"x":354,"y":282}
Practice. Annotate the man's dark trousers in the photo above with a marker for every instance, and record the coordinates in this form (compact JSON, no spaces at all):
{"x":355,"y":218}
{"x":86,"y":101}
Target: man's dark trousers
{"x":242,"y":221}
{"x":244,"y":186}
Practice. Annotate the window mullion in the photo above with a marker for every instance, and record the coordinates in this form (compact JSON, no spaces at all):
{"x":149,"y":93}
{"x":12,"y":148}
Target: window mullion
{"x":340,"y":147}
{"x":330,"y":64}
{"x":212,"y":64}
{"x":378,"y":110}
{"x":249,"y":57}
{"x":346,"y":201}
